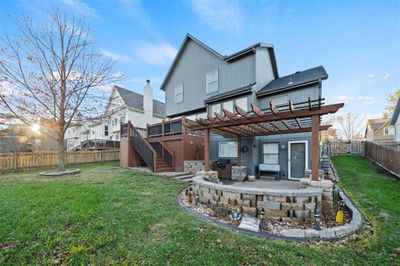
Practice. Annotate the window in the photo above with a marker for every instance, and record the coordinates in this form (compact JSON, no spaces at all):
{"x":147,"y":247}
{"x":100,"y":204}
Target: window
{"x":178,"y":93}
{"x":271,"y":153}
{"x":227,"y":149}
{"x":115,"y":121}
{"x":280,"y":100}
{"x":228,"y":106}
{"x":106,"y":131}
{"x":215,"y":108}
{"x":388,"y":131}
{"x":242,"y":103}
{"x":122,"y":119}
{"x":212,"y":81}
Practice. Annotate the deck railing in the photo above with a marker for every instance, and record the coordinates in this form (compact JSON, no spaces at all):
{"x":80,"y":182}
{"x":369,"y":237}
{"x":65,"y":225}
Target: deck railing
{"x":165,"y":128}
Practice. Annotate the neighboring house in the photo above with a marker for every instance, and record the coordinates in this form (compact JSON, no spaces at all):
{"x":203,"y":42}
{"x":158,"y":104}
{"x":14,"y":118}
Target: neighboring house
{"x":202,"y":82}
{"x":395,"y":122}
{"x":379,"y":130}
{"x":23,"y":138}
{"x":123,"y":105}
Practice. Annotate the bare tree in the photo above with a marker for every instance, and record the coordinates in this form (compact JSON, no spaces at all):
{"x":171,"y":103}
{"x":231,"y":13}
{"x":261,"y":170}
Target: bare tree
{"x":50,"y":73}
{"x":392,"y":101}
{"x":351,"y":124}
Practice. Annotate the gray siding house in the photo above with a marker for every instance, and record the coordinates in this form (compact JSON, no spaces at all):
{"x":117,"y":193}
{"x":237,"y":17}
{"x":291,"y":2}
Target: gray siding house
{"x":202,"y":82}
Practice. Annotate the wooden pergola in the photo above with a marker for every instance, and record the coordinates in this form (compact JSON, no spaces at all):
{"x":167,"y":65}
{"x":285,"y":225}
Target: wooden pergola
{"x":280,"y":119}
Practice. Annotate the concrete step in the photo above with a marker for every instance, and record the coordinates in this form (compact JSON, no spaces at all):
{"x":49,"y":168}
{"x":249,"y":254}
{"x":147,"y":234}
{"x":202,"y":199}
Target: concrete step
{"x":183,"y":177}
{"x":171,"y":174}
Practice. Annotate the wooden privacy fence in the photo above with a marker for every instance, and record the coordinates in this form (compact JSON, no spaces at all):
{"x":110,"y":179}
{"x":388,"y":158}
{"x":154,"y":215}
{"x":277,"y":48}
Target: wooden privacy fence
{"x":385,"y":157}
{"x":333,"y":148}
{"x":27,"y":160}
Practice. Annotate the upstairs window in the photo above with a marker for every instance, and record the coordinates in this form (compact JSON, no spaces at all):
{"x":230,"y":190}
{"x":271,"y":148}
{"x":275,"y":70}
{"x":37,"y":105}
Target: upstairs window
{"x":106,"y":131}
{"x":212,"y":81}
{"x":242,"y":103}
{"x":228,"y":106}
{"x":388,"y":131}
{"x":178,"y":93}
{"x":215,"y":108}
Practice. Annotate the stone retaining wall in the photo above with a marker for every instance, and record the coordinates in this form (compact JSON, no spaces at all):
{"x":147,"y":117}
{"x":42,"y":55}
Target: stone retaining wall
{"x":193,"y":166}
{"x":278,"y":204}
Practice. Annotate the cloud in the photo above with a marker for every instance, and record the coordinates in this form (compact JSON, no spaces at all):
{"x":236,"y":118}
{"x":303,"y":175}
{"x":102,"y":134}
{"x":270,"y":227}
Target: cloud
{"x":365,"y":100}
{"x":81,"y":7}
{"x":371,"y":75}
{"x":155,"y":54}
{"x":221,"y":15}
{"x":386,"y":76}
{"x":123,"y":58}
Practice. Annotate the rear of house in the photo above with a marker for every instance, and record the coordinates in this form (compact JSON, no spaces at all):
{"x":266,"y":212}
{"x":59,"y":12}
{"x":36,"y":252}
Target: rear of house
{"x":379,"y":130}
{"x":395,"y":122}
{"x":201,"y":83}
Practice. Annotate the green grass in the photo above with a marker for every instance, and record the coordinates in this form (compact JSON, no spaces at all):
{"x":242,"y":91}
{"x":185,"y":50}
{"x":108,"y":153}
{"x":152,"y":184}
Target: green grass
{"x":107,"y":215}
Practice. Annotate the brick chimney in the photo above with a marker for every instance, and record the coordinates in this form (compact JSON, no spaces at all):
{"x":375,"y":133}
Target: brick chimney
{"x":148,"y":103}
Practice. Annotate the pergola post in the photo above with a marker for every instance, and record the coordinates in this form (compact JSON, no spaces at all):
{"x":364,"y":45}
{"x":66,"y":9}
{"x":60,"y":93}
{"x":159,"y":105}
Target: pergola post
{"x":238,"y":152}
{"x":314,"y":147}
{"x":207,"y":150}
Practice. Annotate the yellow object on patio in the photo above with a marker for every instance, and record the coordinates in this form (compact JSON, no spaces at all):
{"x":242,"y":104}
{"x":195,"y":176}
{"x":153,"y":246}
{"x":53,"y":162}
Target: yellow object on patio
{"x":339,"y":217}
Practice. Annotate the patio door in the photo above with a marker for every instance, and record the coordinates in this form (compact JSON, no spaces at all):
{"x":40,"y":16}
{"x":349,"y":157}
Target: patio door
{"x":297,"y":159}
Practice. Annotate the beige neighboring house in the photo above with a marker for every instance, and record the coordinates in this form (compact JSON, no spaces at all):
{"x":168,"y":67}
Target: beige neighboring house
{"x":379,"y":130}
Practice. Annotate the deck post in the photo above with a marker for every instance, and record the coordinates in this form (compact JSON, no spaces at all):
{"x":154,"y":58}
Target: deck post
{"x":238,"y":152}
{"x":315,"y":147}
{"x":207,"y":150}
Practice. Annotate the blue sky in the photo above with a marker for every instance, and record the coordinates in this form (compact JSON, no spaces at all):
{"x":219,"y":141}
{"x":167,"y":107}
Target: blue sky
{"x":358,"y":42}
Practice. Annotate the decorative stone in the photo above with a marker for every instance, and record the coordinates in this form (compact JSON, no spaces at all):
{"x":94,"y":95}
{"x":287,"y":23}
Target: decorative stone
{"x":239,"y":173}
{"x":55,"y":173}
{"x":250,"y":223}
{"x":211,"y":176}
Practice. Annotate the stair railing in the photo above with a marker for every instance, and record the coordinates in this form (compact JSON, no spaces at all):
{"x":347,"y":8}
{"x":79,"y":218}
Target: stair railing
{"x":164,"y":152}
{"x":141,"y":145}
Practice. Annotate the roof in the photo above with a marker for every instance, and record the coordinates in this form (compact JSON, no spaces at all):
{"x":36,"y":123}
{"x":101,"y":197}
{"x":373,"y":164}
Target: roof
{"x":375,"y":124}
{"x":229,"y":94}
{"x":298,"y":79}
{"x":227,"y":58}
{"x":135,"y":100}
{"x":395,"y":113}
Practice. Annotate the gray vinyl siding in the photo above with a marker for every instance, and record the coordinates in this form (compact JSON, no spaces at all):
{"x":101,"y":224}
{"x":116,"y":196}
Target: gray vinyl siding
{"x":191,"y":69}
{"x":264,"y":72}
{"x":298,"y":95}
{"x":254,"y":155}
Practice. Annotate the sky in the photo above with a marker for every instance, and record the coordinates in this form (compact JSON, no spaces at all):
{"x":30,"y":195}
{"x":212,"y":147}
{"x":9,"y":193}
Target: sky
{"x":358,"y":42}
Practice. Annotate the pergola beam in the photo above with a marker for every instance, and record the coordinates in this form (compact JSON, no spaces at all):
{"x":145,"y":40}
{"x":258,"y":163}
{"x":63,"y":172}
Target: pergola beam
{"x":299,"y":113}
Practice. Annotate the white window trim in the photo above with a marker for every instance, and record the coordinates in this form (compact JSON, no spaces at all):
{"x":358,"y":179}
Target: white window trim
{"x":207,"y":80}
{"x":229,"y":156}
{"x":180,"y":86}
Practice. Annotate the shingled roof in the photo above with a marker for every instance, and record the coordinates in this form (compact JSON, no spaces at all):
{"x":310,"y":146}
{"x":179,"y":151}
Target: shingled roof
{"x":135,"y":100}
{"x":298,"y":79}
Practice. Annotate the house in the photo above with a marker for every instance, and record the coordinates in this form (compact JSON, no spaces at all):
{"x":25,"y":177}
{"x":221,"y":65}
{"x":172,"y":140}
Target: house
{"x":222,"y":95}
{"x":379,"y":130}
{"x":123,"y":105}
{"x":395,"y":122}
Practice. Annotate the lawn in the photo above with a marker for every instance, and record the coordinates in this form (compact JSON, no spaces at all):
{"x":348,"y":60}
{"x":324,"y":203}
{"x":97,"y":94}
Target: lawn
{"x":107,"y":215}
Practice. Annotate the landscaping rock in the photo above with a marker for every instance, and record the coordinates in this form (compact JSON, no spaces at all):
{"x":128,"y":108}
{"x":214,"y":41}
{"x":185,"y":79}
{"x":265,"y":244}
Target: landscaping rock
{"x":250,"y":223}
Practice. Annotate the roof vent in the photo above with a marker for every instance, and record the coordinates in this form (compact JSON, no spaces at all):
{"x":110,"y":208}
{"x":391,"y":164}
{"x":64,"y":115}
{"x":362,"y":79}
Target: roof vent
{"x":297,"y":72}
{"x":148,"y":82}
{"x":291,"y":81}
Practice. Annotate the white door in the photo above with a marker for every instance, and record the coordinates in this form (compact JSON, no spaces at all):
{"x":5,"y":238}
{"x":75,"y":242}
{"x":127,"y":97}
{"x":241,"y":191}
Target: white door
{"x":297,"y":159}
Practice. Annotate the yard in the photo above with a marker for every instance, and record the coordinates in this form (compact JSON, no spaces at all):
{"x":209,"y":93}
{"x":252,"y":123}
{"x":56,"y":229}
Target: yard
{"x":108,"y":215}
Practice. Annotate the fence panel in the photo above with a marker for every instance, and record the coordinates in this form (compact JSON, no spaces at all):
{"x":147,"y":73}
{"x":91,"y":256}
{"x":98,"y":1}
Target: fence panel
{"x":384,"y":156}
{"x":27,"y":160}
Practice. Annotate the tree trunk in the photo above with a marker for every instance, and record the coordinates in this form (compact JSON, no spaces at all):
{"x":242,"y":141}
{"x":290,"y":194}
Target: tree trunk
{"x":61,"y":153}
